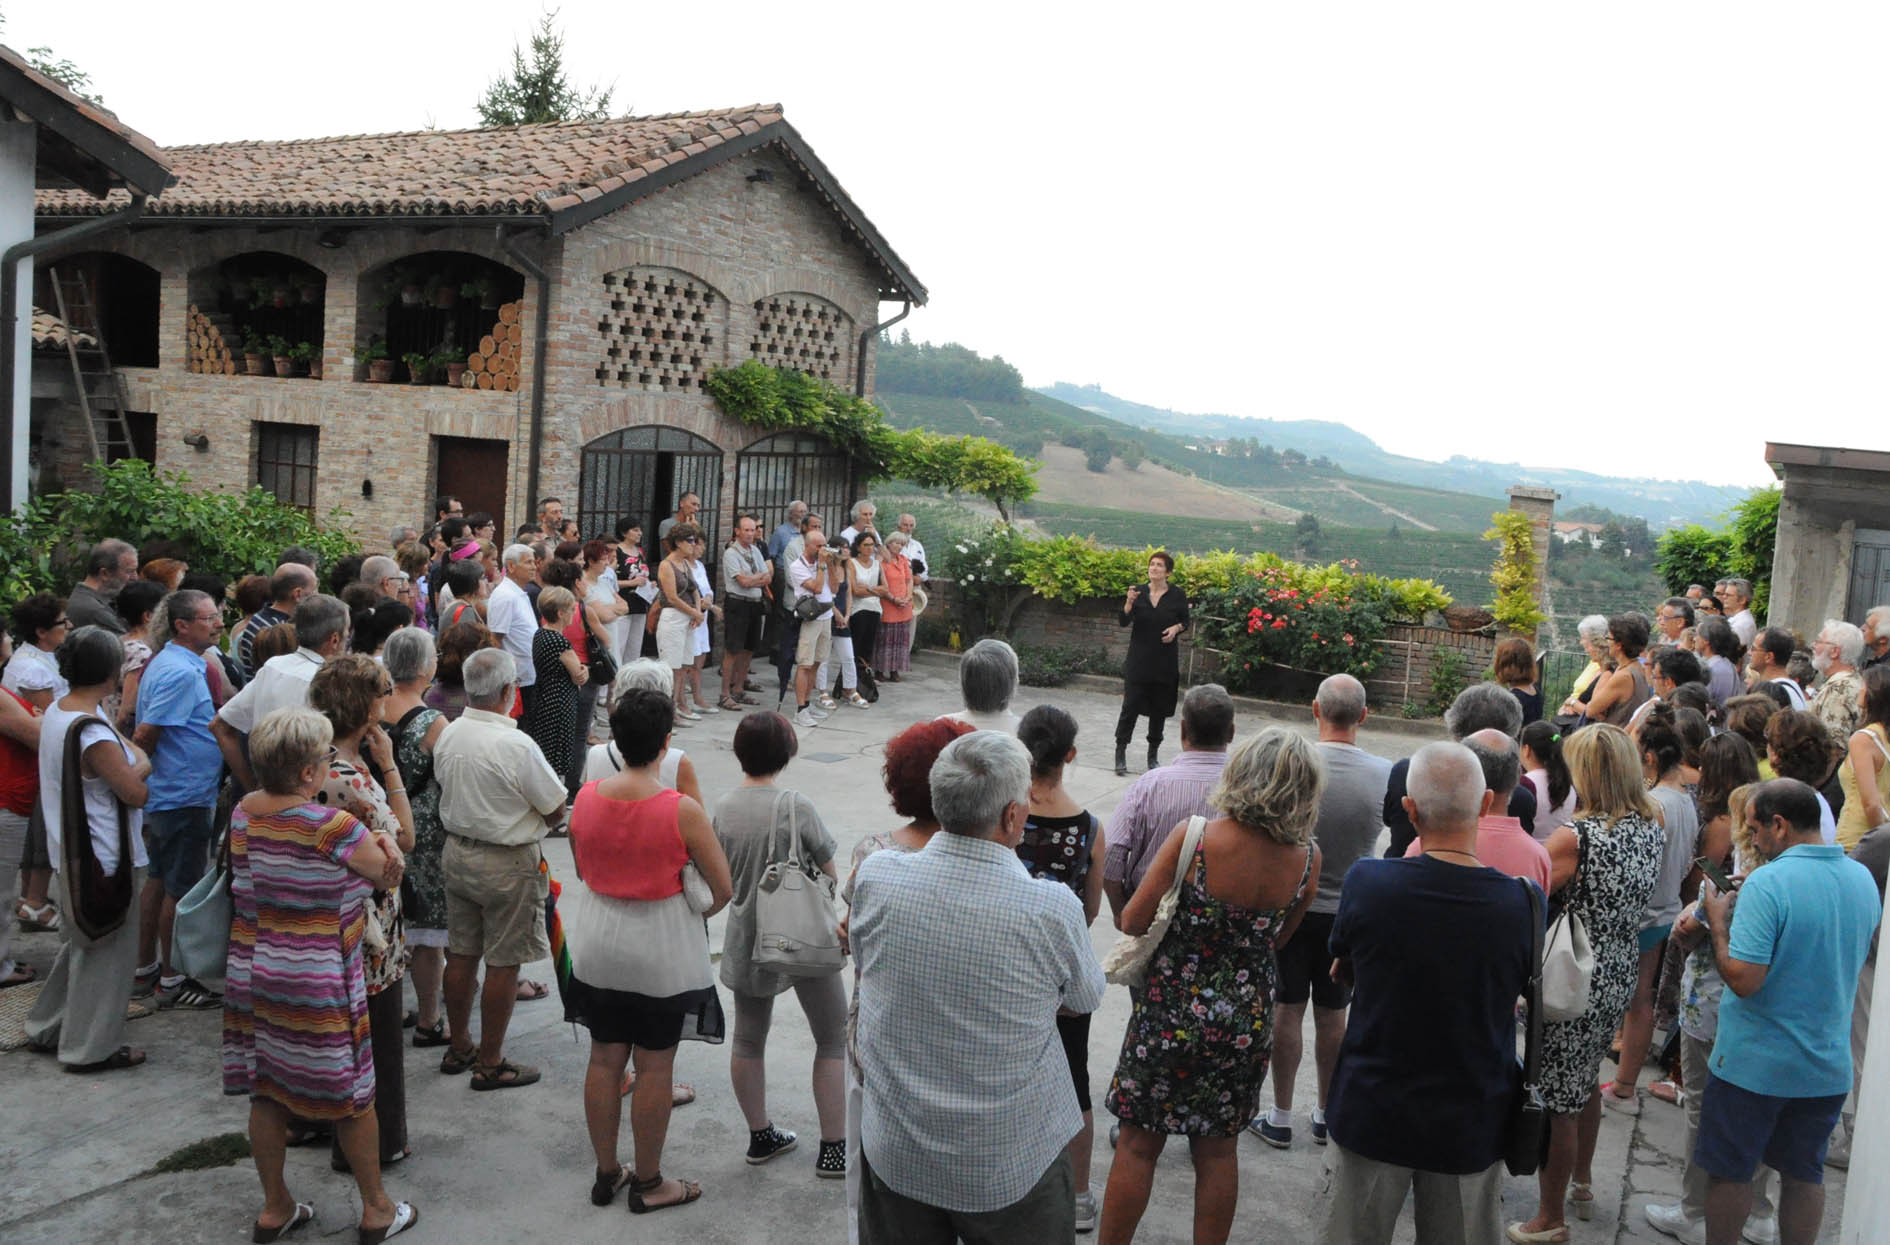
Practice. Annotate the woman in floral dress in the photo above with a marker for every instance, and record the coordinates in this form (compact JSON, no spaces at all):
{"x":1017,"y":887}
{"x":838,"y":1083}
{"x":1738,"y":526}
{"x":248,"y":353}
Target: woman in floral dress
{"x":1198,"y":1041}
{"x":1602,"y":867}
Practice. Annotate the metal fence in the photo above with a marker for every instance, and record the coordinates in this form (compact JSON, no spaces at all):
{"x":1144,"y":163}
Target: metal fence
{"x":1559,"y":668}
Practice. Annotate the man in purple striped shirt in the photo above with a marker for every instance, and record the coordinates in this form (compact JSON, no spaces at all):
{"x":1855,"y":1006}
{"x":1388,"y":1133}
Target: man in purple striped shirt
{"x":1164,"y":797}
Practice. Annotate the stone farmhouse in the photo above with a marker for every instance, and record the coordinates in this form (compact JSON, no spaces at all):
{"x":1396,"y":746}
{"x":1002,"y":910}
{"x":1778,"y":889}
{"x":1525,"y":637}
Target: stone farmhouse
{"x":545,"y":302}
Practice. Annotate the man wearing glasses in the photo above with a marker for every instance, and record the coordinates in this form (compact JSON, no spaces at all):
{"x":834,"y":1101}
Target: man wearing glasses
{"x":1674,"y":616}
{"x":174,"y":715}
{"x":384,"y":575}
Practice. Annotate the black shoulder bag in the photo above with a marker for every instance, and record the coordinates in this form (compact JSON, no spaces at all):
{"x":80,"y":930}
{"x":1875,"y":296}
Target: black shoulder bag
{"x":100,"y":900}
{"x":1528,"y":1140}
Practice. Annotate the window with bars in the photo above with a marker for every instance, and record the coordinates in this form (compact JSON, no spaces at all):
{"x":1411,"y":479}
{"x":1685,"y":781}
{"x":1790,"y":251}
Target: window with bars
{"x":285,"y":462}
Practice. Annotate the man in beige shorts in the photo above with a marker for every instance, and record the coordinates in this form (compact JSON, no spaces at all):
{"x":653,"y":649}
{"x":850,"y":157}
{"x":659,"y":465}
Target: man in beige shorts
{"x":811,"y":576}
{"x":498,"y":798}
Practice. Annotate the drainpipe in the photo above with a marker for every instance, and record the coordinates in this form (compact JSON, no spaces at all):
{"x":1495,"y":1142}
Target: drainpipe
{"x":866,"y":338}
{"x":540,"y":331}
{"x":48,"y":245}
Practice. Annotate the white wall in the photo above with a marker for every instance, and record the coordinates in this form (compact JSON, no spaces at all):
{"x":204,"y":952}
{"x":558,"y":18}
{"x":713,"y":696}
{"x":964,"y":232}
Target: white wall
{"x":16,"y":225}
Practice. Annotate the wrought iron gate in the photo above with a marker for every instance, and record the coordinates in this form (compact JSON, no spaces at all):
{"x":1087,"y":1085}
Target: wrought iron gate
{"x":793,"y":466}
{"x":641,"y":472}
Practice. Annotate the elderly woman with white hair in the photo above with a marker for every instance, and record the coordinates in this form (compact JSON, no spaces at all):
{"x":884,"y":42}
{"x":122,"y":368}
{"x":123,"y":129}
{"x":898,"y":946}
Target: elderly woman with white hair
{"x":675,"y":771}
{"x":1201,"y":1033}
{"x":411,"y":660}
{"x":1835,"y":655}
{"x":987,"y":679}
{"x":1593,"y":632}
{"x":892,"y":652}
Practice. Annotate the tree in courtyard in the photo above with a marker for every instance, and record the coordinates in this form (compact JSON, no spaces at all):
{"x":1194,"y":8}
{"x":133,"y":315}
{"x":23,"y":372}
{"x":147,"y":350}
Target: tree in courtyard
{"x":538,"y":91}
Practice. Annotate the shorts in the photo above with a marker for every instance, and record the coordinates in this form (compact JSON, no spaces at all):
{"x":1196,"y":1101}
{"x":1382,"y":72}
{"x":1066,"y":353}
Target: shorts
{"x":617,"y":1017}
{"x":1305,"y":966}
{"x":816,"y":640}
{"x":1074,"y":1030}
{"x":1739,"y":1129}
{"x":741,"y":625}
{"x":675,"y":639}
{"x":178,"y":841}
{"x":1653,"y":936}
{"x":495,"y":901}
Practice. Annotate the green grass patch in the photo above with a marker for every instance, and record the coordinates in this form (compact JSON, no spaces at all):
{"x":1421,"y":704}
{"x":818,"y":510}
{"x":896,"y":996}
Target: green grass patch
{"x":222,"y":1150}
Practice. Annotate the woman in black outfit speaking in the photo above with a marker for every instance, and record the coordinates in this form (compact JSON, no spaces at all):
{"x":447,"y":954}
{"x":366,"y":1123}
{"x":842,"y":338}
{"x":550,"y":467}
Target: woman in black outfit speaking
{"x":1156,"y":613}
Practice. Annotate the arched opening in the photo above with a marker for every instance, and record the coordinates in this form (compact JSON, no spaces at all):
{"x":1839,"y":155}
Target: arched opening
{"x":124,"y":298}
{"x":793,"y":466}
{"x":257,"y":314}
{"x":429,"y":313}
{"x":643,"y":472}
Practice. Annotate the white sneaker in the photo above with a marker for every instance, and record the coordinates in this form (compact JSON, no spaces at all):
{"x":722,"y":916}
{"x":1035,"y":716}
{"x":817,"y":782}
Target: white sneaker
{"x":807,"y":717}
{"x":702,"y":708}
{"x":1761,"y":1230}
{"x":1672,"y":1220}
{"x":1086,"y":1211}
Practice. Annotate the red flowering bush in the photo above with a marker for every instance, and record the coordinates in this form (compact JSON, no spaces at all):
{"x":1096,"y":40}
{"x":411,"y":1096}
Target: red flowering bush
{"x":1276,"y":617}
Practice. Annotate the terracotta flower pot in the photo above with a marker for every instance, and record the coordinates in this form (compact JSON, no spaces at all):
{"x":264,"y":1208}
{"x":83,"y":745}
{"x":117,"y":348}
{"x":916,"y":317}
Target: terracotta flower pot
{"x":285,"y":366}
{"x":417,"y":376}
{"x":254,"y":365}
{"x":315,"y":369}
{"x":1467,"y":618}
{"x":411,"y":295}
{"x":311,"y":294}
{"x":381,"y":371}
{"x":281,"y":296}
{"x":446,"y":298}
{"x":453,"y":372}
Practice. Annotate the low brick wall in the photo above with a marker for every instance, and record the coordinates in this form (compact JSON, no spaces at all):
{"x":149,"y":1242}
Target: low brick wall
{"x":1404,"y":674}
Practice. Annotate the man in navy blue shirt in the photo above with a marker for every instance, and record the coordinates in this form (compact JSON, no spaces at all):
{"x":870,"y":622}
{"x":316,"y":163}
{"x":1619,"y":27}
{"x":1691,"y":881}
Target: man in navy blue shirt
{"x":1438,"y":948}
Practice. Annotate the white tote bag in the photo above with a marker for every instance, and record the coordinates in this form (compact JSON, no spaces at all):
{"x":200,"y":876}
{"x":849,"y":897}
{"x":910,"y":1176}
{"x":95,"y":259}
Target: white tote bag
{"x":1127,"y":961}
{"x":1568,"y":962}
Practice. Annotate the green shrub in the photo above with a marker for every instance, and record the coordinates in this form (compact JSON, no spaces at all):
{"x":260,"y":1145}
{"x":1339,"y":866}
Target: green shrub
{"x":1053,"y":665}
{"x":1448,"y":677}
{"x":226,"y":534}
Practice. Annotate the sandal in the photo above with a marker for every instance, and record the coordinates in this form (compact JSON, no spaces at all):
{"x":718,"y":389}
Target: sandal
{"x":504,"y":1075}
{"x":604,"y":1188}
{"x":43,"y":919}
{"x":691,"y":1192}
{"x":431,"y":1035}
{"x":1520,"y":1233}
{"x":456,"y":1061}
{"x":123,"y":1057}
{"x":731,"y":704}
{"x":749,"y":700}
{"x":406,"y":1215}
{"x":21,"y":975}
{"x":304,"y":1214}
{"x":531,"y":991}
{"x":1581,"y":1199}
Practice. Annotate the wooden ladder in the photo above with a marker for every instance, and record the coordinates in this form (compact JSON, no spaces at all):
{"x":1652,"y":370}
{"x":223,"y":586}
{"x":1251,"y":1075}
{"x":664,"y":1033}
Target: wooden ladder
{"x":100,"y":388}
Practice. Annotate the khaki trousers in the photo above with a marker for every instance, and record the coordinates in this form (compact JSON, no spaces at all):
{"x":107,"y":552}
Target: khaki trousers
{"x":1364,"y":1198}
{"x":82,"y":1006}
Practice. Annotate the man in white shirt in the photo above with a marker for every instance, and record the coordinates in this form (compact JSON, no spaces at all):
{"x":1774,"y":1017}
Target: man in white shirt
{"x":812,"y":575}
{"x":862,"y":516}
{"x":1771,"y":653}
{"x":321,"y":629}
{"x":915,"y":548}
{"x":745,"y":573}
{"x":956,"y":1141}
{"x":1735,"y":595}
{"x":498,"y":798}
{"x":510,"y":616}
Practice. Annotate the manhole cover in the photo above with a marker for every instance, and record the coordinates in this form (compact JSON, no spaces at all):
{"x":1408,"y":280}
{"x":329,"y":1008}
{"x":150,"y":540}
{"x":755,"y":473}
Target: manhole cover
{"x":825,"y":758}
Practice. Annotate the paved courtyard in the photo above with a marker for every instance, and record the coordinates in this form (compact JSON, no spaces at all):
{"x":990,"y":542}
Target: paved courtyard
{"x":79,"y":1151}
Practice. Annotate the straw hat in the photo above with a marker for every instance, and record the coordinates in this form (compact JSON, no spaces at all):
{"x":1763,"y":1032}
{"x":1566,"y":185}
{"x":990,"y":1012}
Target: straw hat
{"x":919,"y":600}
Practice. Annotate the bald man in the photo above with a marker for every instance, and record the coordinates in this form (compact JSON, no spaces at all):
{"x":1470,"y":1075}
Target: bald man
{"x":1502,"y":843}
{"x":291,"y":582}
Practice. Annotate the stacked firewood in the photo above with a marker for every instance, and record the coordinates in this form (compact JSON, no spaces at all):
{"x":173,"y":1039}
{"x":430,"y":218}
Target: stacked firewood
{"x":495,"y":364}
{"x":209,"y":353}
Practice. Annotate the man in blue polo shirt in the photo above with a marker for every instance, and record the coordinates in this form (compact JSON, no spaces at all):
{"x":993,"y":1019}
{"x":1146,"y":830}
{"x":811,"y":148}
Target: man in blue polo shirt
{"x":1781,"y":1064}
{"x":174,"y":713}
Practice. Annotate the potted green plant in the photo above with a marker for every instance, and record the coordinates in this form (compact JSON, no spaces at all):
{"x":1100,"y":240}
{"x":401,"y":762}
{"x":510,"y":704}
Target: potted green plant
{"x":416,"y":367}
{"x":443,"y":291}
{"x":253,"y":347}
{"x":374,"y":354}
{"x":407,"y":282}
{"x":483,"y":289}
{"x":449,"y":364}
{"x":302,"y":355}
{"x":279,"y":351}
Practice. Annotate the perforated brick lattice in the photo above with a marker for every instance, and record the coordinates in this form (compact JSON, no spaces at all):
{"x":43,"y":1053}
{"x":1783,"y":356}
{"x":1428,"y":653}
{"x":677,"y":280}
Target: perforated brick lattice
{"x":661,"y":330}
{"x":803,"y":332}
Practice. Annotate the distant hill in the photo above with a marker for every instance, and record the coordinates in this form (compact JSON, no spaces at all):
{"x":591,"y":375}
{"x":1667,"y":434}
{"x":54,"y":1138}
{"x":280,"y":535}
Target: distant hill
{"x":1663,"y":503}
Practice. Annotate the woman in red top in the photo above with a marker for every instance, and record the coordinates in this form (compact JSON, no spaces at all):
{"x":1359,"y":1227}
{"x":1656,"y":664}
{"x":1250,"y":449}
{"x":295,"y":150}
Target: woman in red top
{"x":640,"y":978}
{"x":19,"y":784}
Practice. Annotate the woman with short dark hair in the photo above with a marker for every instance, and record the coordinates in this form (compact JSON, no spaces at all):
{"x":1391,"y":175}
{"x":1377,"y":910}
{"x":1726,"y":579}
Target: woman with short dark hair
{"x":136,"y":604}
{"x":1619,"y":692}
{"x":1156,"y":614}
{"x":640,"y":977}
{"x":40,"y":625}
{"x":758,"y":822}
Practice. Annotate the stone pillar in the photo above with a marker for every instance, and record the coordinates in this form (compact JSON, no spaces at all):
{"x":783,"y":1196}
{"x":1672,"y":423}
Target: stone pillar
{"x":1539,"y":504}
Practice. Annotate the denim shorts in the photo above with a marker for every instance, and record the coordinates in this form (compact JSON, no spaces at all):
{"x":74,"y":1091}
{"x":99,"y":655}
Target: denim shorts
{"x":1739,"y":1128}
{"x":178,"y":840}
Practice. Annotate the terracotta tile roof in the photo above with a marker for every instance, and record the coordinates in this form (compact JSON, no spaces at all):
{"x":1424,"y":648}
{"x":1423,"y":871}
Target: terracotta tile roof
{"x":519,"y":171}
{"x":80,"y":140}
{"x":49,"y":332}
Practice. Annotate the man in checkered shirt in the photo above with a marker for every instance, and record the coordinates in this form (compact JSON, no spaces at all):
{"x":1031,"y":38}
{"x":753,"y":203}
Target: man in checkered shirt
{"x":964,"y":960}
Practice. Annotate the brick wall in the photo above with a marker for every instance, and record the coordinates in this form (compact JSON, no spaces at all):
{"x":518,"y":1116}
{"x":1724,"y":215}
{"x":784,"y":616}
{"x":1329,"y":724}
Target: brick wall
{"x":1404,"y":674}
{"x":746,"y":239}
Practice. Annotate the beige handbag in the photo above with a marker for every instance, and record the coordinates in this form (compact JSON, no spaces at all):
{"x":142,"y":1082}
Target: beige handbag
{"x":797,"y":932}
{"x":1127,"y":961}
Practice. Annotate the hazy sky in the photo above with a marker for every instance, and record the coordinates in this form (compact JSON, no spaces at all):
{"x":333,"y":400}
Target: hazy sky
{"x":1524,"y":232}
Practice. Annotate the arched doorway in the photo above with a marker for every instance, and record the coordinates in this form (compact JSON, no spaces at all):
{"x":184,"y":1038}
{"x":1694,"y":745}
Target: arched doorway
{"x":793,"y":466}
{"x":642,"y":472}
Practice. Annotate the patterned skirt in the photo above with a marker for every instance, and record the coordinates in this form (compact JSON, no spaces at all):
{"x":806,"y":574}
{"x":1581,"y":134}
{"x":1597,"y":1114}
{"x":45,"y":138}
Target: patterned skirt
{"x":893,"y":653}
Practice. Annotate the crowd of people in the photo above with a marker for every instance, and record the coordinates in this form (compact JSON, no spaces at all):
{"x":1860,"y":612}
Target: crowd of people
{"x":372,"y":771}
